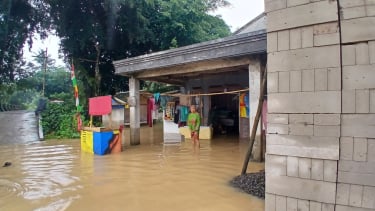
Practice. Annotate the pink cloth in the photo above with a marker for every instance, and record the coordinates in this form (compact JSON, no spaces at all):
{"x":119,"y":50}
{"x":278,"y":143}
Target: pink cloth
{"x":100,"y":105}
{"x":150,"y":108}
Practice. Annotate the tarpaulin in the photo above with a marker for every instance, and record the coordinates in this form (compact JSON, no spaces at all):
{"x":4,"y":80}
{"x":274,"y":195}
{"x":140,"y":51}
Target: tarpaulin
{"x":100,"y":105}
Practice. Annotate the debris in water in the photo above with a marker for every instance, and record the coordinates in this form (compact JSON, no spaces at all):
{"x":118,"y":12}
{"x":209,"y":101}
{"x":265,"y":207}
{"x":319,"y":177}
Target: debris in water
{"x":6,"y":164}
{"x":251,"y":183}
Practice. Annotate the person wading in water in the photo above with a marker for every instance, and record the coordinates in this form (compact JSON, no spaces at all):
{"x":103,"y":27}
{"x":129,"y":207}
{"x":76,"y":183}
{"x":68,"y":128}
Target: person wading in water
{"x":194,"y":122}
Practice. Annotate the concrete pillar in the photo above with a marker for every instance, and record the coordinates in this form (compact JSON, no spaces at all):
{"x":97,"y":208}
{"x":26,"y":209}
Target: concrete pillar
{"x":206,"y":108}
{"x":254,"y":94}
{"x":357,"y":141}
{"x":304,"y":120}
{"x":135,"y":108}
{"x":206,"y":104}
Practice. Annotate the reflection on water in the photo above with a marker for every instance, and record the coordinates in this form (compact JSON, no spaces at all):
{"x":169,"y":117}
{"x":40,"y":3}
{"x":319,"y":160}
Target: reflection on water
{"x":56,"y":175}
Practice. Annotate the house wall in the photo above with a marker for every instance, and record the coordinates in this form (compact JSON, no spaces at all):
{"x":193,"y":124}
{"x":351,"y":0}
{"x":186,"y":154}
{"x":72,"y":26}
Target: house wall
{"x":321,"y":103}
{"x":356,"y":169}
{"x":116,"y":119}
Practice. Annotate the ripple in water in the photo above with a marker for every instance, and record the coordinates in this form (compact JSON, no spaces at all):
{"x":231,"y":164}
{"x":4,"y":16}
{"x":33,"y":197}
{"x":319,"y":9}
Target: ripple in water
{"x":9,"y":189}
{"x":56,"y":176}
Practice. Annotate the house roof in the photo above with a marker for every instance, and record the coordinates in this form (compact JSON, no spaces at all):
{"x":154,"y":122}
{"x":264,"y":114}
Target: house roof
{"x":256,"y":24}
{"x":211,"y":56}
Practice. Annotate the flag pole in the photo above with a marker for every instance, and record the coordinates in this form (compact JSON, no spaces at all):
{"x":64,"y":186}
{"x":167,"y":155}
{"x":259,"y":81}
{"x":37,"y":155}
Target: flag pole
{"x":75,"y":88}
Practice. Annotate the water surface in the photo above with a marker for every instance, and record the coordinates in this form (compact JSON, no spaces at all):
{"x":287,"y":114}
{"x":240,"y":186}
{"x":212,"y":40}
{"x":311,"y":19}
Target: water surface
{"x":56,"y":175}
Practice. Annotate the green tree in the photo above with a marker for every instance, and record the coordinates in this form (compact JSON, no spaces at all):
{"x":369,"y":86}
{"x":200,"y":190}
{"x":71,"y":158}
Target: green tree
{"x":177,"y":23}
{"x":96,"y":32}
{"x":93,"y":33}
{"x":19,"y":20}
{"x":154,"y":87}
{"x":24,"y":99}
{"x":58,"y":81}
{"x":38,"y":72}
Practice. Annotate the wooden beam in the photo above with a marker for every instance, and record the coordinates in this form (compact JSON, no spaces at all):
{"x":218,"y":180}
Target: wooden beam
{"x":166,"y":80}
{"x":263,"y":89}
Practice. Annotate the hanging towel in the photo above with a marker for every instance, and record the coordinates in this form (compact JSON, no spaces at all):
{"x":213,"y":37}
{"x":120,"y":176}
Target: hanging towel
{"x":157,"y":98}
{"x":247,"y":104}
{"x":243,"y":110}
{"x":150,"y":107}
{"x":184,"y":111}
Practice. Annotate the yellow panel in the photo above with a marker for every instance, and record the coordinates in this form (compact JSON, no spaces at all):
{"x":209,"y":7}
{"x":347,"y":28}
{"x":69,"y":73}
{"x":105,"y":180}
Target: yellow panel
{"x":87,"y":142}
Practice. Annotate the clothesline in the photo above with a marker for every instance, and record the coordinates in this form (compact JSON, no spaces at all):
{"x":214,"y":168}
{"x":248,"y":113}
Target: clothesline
{"x":207,"y":94}
{"x":189,"y":95}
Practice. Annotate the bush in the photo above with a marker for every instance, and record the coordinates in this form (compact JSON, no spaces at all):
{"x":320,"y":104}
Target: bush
{"x":58,"y":120}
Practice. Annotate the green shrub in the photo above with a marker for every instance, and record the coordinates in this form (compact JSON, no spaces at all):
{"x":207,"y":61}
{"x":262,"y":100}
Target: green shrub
{"x":58,"y":120}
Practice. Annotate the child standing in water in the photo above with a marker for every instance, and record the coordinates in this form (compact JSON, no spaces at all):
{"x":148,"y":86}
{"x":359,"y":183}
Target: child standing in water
{"x":194,"y":122}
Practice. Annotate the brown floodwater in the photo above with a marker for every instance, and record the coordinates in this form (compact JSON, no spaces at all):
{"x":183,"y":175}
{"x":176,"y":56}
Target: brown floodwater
{"x":56,"y":175}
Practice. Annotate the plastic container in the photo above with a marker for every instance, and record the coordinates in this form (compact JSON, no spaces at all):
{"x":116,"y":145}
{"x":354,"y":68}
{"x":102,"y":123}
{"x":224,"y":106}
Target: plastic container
{"x":205,"y":132}
{"x":87,"y":141}
{"x":101,"y":142}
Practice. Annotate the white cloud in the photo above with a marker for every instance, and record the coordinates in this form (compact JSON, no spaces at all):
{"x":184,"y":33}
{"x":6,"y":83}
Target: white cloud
{"x":240,"y":12}
{"x":51,"y":44}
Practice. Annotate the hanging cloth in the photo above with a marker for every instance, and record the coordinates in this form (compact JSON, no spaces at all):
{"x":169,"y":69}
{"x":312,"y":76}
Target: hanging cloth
{"x":79,"y":108}
{"x":247,"y":104}
{"x":176,"y":117}
{"x":157,"y":98}
{"x":150,"y":108}
{"x":184,"y":112}
{"x":243,"y":112}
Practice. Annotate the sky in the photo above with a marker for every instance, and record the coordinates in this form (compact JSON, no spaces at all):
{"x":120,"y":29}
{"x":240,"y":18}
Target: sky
{"x":237,"y":15}
{"x":240,"y":12}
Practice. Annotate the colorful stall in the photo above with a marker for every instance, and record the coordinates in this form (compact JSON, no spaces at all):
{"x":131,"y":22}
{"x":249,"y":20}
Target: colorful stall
{"x":101,"y":140}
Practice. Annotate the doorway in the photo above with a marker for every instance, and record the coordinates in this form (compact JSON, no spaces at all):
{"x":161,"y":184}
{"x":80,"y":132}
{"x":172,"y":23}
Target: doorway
{"x":223,"y":115}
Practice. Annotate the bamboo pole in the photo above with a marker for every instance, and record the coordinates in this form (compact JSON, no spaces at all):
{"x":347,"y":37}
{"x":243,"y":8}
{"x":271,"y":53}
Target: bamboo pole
{"x":256,"y":122}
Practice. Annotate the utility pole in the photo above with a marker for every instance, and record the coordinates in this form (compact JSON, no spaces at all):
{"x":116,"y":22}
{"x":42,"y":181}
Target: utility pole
{"x":45,"y":57}
{"x":44,"y":74}
{"x":97,"y":73}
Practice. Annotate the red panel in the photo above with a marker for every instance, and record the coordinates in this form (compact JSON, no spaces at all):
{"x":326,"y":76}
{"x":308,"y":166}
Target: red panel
{"x":100,"y":105}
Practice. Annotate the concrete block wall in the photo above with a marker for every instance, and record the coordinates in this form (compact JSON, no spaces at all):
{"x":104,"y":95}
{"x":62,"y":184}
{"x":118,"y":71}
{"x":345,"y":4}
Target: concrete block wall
{"x":320,"y":152}
{"x":356,"y":167}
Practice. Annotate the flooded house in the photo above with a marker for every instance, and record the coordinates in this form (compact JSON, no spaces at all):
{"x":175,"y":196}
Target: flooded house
{"x":320,"y":61}
{"x":211,"y":74}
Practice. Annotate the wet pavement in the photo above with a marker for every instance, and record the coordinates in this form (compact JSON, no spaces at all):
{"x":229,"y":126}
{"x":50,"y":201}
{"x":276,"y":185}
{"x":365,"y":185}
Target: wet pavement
{"x":18,"y":127}
{"x":56,"y":175}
